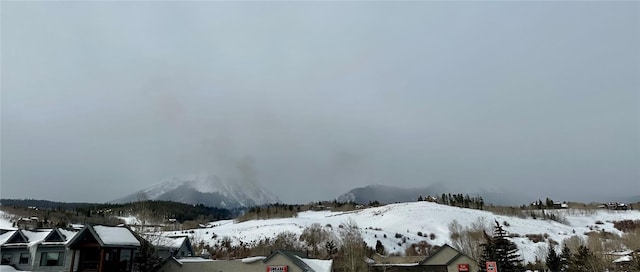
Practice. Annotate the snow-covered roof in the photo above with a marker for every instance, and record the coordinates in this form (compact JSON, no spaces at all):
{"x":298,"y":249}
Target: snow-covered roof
{"x":35,"y":237}
{"x":397,"y":264}
{"x":193,"y":260}
{"x":40,"y":236}
{"x":318,"y":265}
{"x":116,"y":236}
{"x":253,"y":259}
{"x":5,"y":236}
{"x":623,"y":259}
{"x":165,"y":241}
{"x":621,"y":253}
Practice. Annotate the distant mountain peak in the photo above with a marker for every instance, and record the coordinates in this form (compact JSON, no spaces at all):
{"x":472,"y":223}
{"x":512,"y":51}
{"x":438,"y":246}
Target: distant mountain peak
{"x":390,"y":194}
{"x":210,"y":190}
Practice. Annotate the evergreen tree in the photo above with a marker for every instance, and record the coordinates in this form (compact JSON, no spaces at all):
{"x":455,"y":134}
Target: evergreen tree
{"x":549,"y":203}
{"x":500,"y":250}
{"x":553,"y":259}
{"x":583,"y":260}
{"x":379,"y":248}
{"x":488,"y":253}
{"x":146,"y":259}
{"x":331,"y":248}
{"x":565,"y":258}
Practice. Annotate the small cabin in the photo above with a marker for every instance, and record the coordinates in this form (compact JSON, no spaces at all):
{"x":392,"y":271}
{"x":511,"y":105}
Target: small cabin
{"x":103,"y":248}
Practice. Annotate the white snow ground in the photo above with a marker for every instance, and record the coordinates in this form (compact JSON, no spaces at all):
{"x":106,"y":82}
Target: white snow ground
{"x":5,"y":221}
{"x":410,"y":218}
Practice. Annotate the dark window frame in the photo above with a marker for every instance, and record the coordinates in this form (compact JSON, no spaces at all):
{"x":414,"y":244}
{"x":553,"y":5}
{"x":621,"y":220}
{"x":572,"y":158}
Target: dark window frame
{"x":21,"y":260}
{"x":45,"y":261}
{"x":6,"y":260}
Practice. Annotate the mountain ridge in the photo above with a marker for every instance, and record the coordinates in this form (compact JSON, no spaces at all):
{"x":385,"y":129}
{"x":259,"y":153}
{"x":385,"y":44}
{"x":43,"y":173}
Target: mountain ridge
{"x":387,"y":194}
{"x":209,"y":190}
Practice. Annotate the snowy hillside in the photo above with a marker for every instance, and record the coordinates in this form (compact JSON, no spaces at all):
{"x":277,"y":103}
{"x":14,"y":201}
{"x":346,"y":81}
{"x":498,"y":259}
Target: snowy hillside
{"x":209,"y":190}
{"x":386,"y":194}
{"x":408,"y":219}
{"x":5,"y":222}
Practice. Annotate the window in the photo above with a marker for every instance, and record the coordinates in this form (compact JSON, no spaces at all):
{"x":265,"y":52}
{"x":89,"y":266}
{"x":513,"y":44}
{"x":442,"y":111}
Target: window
{"x":52,"y":259}
{"x":24,"y":258}
{"x":89,"y":258}
{"x":125,"y":260}
{"x":6,"y":258}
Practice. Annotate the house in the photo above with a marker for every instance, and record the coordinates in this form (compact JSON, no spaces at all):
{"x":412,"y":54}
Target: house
{"x":560,"y":205}
{"x":280,"y":260}
{"x":394,"y":263}
{"x":446,"y":259}
{"x":103,"y":248}
{"x":39,"y":250}
{"x":171,"y":246}
{"x":623,"y":260}
{"x":449,"y":259}
{"x":30,"y":223}
{"x":14,"y":246}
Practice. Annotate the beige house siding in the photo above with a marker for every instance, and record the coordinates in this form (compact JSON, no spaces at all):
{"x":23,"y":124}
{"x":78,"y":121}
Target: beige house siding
{"x":442,"y":257}
{"x":38,"y":255}
{"x":187,"y":267}
{"x":229,"y":265}
{"x":237,"y":265}
{"x":453,"y":267}
{"x":282,"y":260}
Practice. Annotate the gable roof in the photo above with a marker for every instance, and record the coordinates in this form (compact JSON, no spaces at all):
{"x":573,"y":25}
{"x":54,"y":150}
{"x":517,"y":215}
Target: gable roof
{"x":31,"y":238}
{"x":173,"y":242}
{"x":55,"y":236}
{"x":15,"y":237}
{"x":298,"y":258}
{"x":293,"y":256}
{"x":318,"y":265}
{"x":107,"y":236}
{"x":433,"y":258}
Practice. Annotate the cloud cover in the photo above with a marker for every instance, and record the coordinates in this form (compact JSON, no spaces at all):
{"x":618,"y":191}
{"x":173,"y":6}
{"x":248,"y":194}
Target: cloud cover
{"x":100,"y":99}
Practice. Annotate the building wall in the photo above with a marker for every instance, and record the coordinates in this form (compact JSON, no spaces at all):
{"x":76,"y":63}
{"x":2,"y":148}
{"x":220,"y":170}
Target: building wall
{"x":216,"y":266}
{"x":183,"y":251}
{"x":281,"y":260}
{"x":237,"y":265}
{"x":229,"y":265}
{"x":35,"y":262}
{"x":392,"y":268}
{"x":15,"y":257}
{"x":442,"y":256}
{"x":473,"y":266}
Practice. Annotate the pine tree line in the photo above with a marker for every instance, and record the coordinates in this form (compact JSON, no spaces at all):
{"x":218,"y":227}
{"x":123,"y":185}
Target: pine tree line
{"x":463,"y":201}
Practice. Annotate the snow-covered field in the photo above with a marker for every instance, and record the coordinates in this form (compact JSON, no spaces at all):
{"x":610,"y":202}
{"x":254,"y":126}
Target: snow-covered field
{"x":5,"y":222}
{"x":408,"y":219}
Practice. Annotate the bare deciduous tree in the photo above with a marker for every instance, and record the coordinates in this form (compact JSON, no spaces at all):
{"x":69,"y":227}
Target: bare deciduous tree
{"x":314,"y":236}
{"x":353,"y":247}
{"x":286,"y":240}
{"x":468,"y":239}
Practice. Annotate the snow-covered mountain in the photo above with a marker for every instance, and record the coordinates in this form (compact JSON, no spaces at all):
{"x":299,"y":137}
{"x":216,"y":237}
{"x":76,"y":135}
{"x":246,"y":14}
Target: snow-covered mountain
{"x":408,"y":220}
{"x":390,"y":194}
{"x":209,"y":190}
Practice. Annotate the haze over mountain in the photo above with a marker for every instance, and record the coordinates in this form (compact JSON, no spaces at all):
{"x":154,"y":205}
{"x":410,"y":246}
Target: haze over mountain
{"x":392,"y":194}
{"x":209,"y":190}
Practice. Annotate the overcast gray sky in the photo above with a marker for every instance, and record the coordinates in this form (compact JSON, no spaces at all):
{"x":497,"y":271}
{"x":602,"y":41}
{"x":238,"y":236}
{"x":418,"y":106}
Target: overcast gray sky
{"x":100,"y":99}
